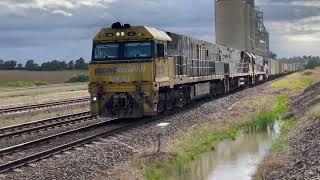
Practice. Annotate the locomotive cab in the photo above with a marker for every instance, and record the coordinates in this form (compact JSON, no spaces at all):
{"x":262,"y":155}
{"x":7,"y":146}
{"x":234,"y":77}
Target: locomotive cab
{"x":126,"y":64}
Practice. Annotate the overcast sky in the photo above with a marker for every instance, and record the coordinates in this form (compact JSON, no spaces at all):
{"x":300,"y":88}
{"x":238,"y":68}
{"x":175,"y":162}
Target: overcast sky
{"x":63,"y":29}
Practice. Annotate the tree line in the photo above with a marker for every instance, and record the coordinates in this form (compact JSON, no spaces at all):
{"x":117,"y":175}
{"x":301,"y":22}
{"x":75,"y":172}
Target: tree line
{"x":54,"y":65}
{"x":310,"y":62}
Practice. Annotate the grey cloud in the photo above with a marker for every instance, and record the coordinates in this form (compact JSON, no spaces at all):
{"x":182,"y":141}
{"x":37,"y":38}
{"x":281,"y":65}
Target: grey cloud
{"x":285,"y":12}
{"x":39,"y":33}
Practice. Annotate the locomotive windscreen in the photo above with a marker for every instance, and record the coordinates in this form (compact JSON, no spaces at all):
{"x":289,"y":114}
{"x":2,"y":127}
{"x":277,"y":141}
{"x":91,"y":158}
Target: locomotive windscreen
{"x":123,"y":51}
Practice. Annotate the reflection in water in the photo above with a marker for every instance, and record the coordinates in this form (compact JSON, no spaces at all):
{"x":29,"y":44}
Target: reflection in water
{"x":231,"y":159}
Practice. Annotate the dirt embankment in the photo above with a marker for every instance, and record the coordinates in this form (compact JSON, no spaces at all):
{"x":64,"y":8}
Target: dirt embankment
{"x":303,"y":102}
{"x":301,"y":159}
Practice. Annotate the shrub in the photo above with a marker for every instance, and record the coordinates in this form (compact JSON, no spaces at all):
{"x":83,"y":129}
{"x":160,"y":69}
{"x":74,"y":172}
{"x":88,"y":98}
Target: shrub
{"x":312,"y":64}
{"x":78,"y":78}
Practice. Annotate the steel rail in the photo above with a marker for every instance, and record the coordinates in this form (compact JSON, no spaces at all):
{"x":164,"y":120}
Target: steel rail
{"x":27,"y":145}
{"x":40,"y":122}
{"x":45,"y":154}
{"x":45,"y":126}
{"x":43,"y":105}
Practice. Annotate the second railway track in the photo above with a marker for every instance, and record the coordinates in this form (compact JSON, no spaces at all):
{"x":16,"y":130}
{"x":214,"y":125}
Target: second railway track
{"x":19,"y":155}
{"x":20,"y":129}
{"x":43,"y":105}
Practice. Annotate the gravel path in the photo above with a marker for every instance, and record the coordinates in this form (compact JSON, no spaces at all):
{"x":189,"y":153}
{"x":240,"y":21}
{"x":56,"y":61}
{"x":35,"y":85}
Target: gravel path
{"x":102,"y":157}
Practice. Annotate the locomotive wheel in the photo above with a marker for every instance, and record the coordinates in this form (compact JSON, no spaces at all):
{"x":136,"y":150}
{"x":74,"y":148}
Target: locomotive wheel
{"x":169,"y":100}
{"x":162,"y":102}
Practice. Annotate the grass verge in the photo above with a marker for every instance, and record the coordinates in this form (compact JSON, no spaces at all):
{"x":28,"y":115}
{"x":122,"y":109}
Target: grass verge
{"x":191,"y":145}
{"x":281,"y":143}
{"x":297,"y":81}
{"x":21,"y":84}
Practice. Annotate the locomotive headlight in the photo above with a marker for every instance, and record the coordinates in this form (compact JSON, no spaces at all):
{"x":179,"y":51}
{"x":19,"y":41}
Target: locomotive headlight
{"x":118,"y":34}
{"x":94,"y":99}
{"x":122,"y":33}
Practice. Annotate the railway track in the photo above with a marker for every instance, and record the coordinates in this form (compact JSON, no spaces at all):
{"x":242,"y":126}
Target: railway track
{"x":40,"y":149}
{"x":27,"y":128}
{"x":43,"y":105}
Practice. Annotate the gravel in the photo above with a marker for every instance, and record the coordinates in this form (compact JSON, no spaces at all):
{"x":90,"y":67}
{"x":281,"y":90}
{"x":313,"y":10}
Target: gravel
{"x":104,"y":156}
{"x":302,"y":103}
{"x":43,"y":110}
{"x":6,"y":142}
{"x":301,"y":161}
{"x":57,"y":142}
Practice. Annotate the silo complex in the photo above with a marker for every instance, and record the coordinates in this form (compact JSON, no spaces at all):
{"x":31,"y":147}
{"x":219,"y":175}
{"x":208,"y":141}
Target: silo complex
{"x":237,"y":24}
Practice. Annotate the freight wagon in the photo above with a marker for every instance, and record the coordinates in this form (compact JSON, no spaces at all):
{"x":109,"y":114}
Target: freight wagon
{"x":143,"y":71}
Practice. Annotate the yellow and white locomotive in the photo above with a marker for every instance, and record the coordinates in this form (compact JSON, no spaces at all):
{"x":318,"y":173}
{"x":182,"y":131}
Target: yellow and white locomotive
{"x":142,"y":71}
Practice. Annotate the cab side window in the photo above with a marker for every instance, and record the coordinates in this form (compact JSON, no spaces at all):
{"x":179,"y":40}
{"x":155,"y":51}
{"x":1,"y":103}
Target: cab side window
{"x":160,"y":50}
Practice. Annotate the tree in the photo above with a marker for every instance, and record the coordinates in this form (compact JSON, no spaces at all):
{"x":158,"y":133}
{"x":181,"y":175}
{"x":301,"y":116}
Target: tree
{"x":81,"y":64}
{"x":8,"y":65}
{"x":31,"y":65}
{"x":1,"y":64}
{"x":20,"y":66}
{"x":63,"y":65}
{"x":71,"y":65}
{"x":273,"y":55}
{"x":54,"y":65}
{"x":311,"y":64}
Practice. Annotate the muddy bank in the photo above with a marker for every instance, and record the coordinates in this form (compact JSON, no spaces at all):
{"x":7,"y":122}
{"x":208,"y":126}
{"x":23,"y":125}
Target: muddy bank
{"x":300,"y":160}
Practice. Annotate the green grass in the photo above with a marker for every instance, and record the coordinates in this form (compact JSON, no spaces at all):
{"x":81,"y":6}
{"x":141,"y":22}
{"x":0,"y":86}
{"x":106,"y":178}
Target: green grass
{"x":23,"y":94}
{"x":78,"y":78}
{"x":259,"y":122}
{"x":190,"y":146}
{"x":297,"y":81}
{"x":21,"y":84}
{"x":16,"y":95}
{"x":197,"y":142}
{"x":281,"y":143}
{"x":263,"y":120}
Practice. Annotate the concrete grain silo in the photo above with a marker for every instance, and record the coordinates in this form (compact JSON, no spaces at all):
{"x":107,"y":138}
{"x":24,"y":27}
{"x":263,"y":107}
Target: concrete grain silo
{"x":236,"y":24}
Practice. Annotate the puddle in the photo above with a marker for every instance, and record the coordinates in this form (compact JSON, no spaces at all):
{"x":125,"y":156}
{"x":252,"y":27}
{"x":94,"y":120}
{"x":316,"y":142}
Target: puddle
{"x":231,"y":159}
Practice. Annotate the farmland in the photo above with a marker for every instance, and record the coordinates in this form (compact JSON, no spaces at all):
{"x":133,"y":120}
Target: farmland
{"x":43,"y":94}
{"x":51,"y":77}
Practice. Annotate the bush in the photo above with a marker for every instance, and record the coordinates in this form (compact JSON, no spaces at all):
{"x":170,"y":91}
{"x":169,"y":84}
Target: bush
{"x":78,"y":78}
{"x":312,"y":64}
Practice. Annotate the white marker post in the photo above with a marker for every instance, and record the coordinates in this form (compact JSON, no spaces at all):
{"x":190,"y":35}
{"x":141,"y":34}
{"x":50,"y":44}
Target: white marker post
{"x":161,"y":130}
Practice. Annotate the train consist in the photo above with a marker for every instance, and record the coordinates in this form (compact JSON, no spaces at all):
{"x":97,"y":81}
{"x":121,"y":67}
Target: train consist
{"x":143,"y":71}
